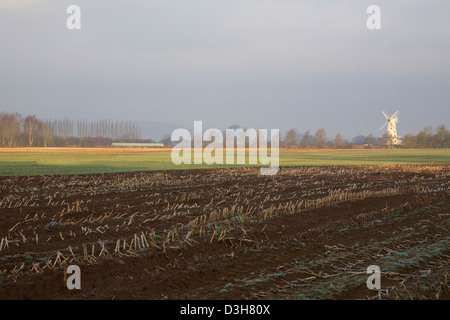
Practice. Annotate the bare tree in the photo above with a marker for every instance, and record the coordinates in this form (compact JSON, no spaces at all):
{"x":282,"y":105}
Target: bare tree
{"x":3,"y":129}
{"x":306,"y":139}
{"x":320,"y":138}
{"x":47,"y":134}
{"x":291,"y":138}
{"x":32,"y":128}
{"x":370,"y":140}
{"x":339,"y":141}
{"x":386,"y":140}
{"x":9,"y":128}
{"x":441,"y":136}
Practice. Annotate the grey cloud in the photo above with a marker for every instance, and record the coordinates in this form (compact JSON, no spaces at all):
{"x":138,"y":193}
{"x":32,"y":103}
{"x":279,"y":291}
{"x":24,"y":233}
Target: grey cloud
{"x":254,"y":62}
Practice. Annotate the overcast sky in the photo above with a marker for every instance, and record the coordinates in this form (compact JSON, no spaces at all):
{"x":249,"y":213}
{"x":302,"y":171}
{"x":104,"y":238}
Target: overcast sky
{"x":257,"y":63}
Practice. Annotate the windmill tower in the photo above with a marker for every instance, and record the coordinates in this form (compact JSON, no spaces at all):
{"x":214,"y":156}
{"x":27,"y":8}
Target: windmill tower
{"x":392,"y":127}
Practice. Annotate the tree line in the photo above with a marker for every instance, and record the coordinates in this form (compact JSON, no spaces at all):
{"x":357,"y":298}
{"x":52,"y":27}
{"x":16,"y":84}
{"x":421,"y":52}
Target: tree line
{"x":424,"y":139}
{"x":29,"y":131}
{"x":308,"y":140}
{"x":18,"y":131}
{"x":105,"y":128}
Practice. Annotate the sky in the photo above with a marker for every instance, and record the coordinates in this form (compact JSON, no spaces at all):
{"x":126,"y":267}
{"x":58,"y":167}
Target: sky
{"x":274,"y":64}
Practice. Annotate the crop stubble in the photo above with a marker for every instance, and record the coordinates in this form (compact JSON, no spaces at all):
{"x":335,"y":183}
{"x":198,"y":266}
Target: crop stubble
{"x":305,"y":233}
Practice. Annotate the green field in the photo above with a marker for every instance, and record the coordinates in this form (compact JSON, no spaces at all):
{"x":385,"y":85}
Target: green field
{"x":43,"y":162}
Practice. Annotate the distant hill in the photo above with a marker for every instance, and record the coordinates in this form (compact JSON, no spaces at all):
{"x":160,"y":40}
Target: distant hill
{"x":156,"y":130}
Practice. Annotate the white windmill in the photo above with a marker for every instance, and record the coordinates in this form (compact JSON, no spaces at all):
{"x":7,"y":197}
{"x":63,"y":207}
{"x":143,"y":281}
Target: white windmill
{"x":392,"y":127}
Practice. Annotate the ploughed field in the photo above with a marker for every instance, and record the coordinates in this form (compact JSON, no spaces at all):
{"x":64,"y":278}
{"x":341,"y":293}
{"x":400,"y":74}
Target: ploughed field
{"x":305,"y":233}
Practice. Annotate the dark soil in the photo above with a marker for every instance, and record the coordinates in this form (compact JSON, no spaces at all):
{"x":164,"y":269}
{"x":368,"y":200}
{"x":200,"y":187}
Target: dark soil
{"x":306,"y":233}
